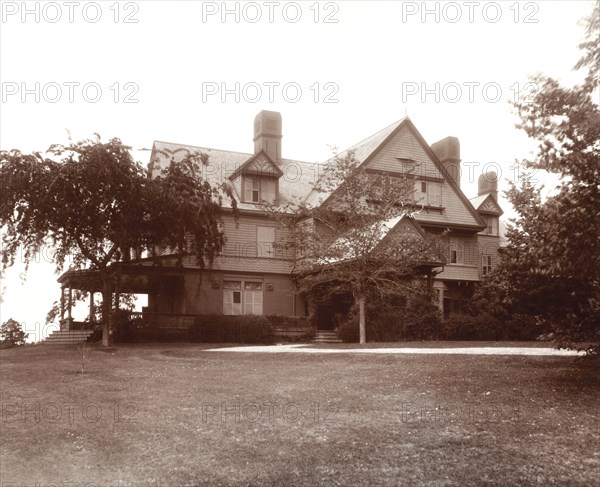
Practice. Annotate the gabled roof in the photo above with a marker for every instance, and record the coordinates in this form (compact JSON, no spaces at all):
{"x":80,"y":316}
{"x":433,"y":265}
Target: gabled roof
{"x":351,"y":241}
{"x":366,"y":150}
{"x":402,"y":223}
{"x":486,"y":203}
{"x":260,"y":164}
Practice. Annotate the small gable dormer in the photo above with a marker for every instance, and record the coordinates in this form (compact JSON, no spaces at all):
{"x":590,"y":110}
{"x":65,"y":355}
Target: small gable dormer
{"x":257,"y":180}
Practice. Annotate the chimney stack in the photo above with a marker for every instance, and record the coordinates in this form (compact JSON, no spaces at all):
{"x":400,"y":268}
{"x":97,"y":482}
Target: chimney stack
{"x":488,"y":183}
{"x":267,"y":134}
{"x":448,"y":152}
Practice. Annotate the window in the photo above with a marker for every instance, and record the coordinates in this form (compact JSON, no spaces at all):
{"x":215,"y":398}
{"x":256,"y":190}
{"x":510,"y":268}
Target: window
{"x":260,"y":189}
{"x":455,"y":251}
{"x":429,"y":193}
{"x":268,"y":190}
{"x":486,"y":264}
{"x":232,"y":298}
{"x":252,"y":298}
{"x":492,"y":225}
{"x":265,"y":238}
{"x":251,"y":190}
{"x":242,"y":297}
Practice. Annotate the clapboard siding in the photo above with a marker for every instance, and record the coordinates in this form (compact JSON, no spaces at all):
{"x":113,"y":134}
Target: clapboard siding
{"x":242,"y":238}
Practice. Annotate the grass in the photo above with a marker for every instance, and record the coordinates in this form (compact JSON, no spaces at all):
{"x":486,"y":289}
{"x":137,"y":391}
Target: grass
{"x":175,"y":415}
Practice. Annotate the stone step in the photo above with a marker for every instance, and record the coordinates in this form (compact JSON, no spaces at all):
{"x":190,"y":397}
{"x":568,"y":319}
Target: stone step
{"x":326,"y":336}
{"x":60,"y":337}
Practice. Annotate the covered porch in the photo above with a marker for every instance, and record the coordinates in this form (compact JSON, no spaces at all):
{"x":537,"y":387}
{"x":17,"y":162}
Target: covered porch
{"x":161,"y":284}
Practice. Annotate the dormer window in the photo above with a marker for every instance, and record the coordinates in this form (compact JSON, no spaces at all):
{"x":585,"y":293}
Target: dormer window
{"x":428,"y":193}
{"x":259,"y":189}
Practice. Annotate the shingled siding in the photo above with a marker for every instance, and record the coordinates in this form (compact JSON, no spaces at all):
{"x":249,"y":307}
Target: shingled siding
{"x":405,"y":145}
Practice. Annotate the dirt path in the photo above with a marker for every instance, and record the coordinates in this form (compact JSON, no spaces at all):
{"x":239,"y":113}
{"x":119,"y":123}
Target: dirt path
{"x":421,"y":351}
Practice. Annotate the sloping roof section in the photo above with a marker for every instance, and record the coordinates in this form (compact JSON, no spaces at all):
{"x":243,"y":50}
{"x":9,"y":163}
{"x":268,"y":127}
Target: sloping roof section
{"x":359,"y":242}
{"x":455,"y":272}
{"x":297,"y":180}
{"x":399,"y":147}
{"x":362,"y":151}
{"x":354,"y":244}
{"x":486,"y":203}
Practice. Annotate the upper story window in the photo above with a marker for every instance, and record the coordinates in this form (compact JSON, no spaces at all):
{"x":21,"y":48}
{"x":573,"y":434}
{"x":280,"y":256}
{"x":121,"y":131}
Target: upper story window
{"x":492,"y":225}
{"x":486,"y":264}
{"x":259,"y":189}
{"x":428,"y":193}
{"x":265,"y":240}
{"x":455,"y":251}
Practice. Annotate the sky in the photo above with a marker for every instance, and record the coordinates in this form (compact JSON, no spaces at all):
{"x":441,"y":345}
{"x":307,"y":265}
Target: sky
{"x":197,"y":73}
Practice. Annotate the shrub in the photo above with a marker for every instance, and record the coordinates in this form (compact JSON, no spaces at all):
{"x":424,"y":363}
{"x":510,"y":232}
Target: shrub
{"x":291,"y":328}
{"x":484,"y":326}
{"x":348,"y":331}
{"x":231,"y":329}
{"x":417,"y":321}
{"x":467,"y":327}
{"x":11,"y":334}
{"x":525,"y":327}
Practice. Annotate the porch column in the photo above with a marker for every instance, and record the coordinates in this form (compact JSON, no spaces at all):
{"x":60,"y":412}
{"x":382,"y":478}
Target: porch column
{"x":69,"y":317}
{"x":62,"y":303}
{"x":92,"y":308}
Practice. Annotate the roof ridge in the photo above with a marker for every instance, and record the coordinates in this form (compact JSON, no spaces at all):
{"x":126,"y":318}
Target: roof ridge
{"x":283,"y":159}
{"x":372,"y":136}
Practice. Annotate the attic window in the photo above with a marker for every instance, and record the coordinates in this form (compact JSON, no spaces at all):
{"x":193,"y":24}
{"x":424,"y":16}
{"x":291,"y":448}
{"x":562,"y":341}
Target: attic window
{"x":259,"y":189}
{"x":428,"y":193}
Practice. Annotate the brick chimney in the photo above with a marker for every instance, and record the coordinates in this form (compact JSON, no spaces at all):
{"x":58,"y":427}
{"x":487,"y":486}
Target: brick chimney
{"x":488,"y":183}
{"x":267,"y":134}
{"x":448,"y":152}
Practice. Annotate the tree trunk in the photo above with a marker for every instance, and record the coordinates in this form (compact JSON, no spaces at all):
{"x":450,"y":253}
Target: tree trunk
{"x":361,"y":319}
{"x":106,"y":311}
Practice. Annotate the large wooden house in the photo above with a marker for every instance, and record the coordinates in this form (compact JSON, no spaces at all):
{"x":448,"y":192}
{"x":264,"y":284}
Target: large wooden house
{"x":255,"y":272}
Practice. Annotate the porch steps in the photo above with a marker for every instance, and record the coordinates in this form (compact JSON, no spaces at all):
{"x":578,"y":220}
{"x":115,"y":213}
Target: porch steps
{"x":326,"y":336}
{"x":65,"y":337}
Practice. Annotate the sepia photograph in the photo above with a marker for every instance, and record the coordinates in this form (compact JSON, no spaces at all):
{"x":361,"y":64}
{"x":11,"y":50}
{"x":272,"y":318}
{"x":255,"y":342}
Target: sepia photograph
{"x":300,"y":243}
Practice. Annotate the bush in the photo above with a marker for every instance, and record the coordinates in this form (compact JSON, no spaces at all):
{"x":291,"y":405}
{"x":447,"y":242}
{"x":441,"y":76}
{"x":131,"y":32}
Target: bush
{"x":11,"y":334}
{"x":521,"y":327}
{"x":348,"y":331}
{"x":291,"y":328}
{"x":418,"y":321}
{"x":231,"y":329}
{"x":467,"y":327}
{"x":484,"y":326}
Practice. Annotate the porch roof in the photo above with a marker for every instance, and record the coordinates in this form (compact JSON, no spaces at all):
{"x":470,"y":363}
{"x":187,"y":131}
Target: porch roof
{"x":127,"y":278}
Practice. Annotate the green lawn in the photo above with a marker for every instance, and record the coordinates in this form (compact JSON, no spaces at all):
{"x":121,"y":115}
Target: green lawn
{"x":175,"y":415}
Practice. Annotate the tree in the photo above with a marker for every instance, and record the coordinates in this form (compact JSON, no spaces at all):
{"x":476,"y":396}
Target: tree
{"x":551,"y":266}
{"x":12,"y":333}
{"x":95,"y":205}
{"x":359,"y":240}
